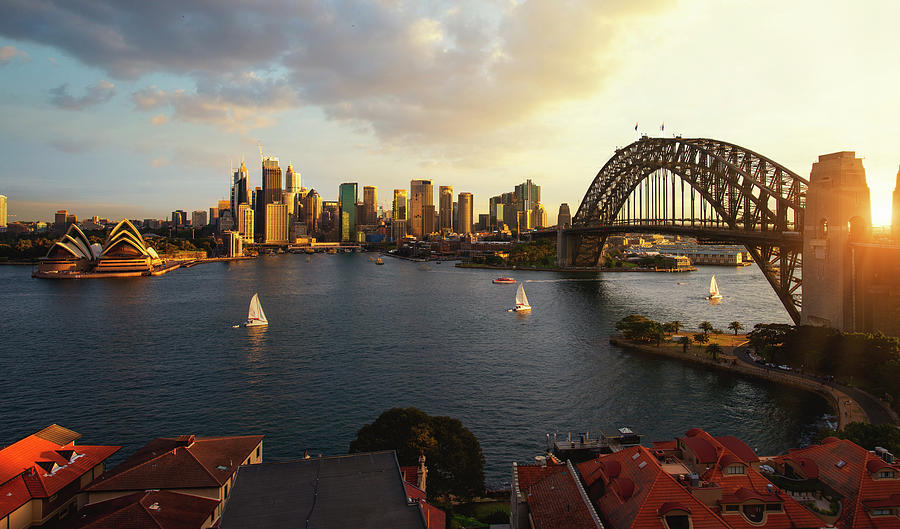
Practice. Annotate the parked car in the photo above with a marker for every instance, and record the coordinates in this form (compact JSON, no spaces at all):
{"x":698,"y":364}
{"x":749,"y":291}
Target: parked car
{"x":784,"y":367}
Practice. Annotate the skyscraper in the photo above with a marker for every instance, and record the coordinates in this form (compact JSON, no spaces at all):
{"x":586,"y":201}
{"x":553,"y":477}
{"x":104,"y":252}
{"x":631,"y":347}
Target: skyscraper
{"x":401,"y":204}
{"x":3,"y":221}
{"x":271,"y":190}
{"x":312,"y":207}
{"x":240,"y":187}
{"x":465,"y":213}
{"x":198,"y":218}
{"x":528,"y":195}
{"x":291,"y":189}
{"x":213,"y":216}
{"x":445,"y":200}
{"x":370,"y":200}
{"x":347,"y":197}
{"x":276,"y":223}
{"x":421,"y":208}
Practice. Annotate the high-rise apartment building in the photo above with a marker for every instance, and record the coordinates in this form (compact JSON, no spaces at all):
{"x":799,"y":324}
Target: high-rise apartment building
{"x":198,"y":218}
{"x":240,"y":188}
{"x":312,"y":207}
{"x":276,"y":223}
{"x":465,"y":214}
{"x":291,"y":189}
{"x":370,"y":205}
{"x":347,"y":197}
{"x":445,"y":201}
{"x":401,"y":205}
{"x":421,"y":208}
{"x":3,"y":220}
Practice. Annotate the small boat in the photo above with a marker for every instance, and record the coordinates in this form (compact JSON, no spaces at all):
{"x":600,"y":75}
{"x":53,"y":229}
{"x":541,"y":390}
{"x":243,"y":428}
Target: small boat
{"x":331,"y":251}
{"x":310,"y":250}
{"x":521,"y":301}
{"x":379,"y":261}
{"x":255,"y":316}
{"x":502,"y":280}
{"x":713,"y":289}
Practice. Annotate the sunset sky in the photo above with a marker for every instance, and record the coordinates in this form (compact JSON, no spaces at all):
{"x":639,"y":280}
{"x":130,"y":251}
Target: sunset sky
{"x":138,"y":108}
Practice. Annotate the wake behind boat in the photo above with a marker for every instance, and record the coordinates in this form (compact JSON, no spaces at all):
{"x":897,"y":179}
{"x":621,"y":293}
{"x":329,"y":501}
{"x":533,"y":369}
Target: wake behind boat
{"x":255,"y":315}
{"x":713,"y":289}
{"x":521,"y":301}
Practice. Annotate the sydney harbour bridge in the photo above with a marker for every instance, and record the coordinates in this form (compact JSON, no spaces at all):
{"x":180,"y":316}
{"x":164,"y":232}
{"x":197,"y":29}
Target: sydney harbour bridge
{"x":703,"y":188}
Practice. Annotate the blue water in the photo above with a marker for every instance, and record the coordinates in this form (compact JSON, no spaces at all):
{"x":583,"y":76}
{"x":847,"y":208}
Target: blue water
{"x":126,"y":360}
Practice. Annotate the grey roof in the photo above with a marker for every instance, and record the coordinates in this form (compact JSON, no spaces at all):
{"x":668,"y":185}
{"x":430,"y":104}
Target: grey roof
{"x":358,"y":490}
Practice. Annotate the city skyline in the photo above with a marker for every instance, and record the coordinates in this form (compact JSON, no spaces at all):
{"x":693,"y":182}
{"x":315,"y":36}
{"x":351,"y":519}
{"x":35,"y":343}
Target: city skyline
{"x":481,"y":100}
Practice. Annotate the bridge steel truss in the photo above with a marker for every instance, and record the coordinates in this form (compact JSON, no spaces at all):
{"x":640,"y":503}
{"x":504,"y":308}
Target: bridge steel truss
{"x":758,"y":203}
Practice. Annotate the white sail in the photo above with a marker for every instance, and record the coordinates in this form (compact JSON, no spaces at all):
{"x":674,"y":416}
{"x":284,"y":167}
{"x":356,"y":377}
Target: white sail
{"x":256,"y":316}
{"x":521,"y":298}
{"x":714,"y":288}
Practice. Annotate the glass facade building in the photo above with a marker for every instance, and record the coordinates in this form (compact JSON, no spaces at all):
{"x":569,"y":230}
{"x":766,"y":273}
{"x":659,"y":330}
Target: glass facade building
{"x":347,"y":198}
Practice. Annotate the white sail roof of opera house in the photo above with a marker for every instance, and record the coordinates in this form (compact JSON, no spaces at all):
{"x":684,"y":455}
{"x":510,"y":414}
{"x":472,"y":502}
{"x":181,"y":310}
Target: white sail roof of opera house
{"x":74,"y":244}
{"x":125,"y":239}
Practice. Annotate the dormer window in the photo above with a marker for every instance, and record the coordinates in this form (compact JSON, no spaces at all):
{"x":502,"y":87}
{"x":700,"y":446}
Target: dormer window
{"x":882,"y":512}
{"x":736,"y":468}
{"x":677,"y":521}
{"x":754,"y":512}
{"x":886,"y":474}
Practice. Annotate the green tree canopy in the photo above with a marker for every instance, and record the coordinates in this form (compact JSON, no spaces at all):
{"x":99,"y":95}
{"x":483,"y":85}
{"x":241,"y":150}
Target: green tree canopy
{"x":452,"y":453}
{"x":705,"y":326}
{"x":735,"y":326}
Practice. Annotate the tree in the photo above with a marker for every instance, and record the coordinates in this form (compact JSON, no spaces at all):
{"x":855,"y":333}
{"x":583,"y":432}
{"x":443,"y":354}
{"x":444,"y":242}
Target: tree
{"x":452,"y":453}
{"x":685,"y":341}
{"x":735,"y":326}
{"x":676,"y":326}
{"x":714,"y":350}
{"x":655,"y":332}
{"x":705,"y":326}
{"x":701,"y":338}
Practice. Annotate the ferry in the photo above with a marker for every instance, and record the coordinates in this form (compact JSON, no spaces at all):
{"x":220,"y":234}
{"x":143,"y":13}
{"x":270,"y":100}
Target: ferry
{"x":503,"y":280}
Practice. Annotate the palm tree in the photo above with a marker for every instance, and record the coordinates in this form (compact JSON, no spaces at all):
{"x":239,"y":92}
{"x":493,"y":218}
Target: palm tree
{"x":701,"y":338}
{"x":705,"y":326}
{"x":735,"y":326}
{"x":676,"y":326}
{"x":685,"y":341}
{"x":714,"y":351}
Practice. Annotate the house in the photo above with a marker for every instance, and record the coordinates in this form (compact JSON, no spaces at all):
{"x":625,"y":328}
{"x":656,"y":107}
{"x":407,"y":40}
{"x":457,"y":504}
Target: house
{"x":364,"y":490}
{"x":152,"y":509}
{"x":41,"y":475}
{"x":200,"y":466}
{"x":867,"y":483}
{"x":550,"y":495}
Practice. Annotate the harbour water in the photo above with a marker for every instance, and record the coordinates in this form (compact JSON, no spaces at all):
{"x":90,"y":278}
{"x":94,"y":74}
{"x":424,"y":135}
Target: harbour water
{"x":126,"y":360}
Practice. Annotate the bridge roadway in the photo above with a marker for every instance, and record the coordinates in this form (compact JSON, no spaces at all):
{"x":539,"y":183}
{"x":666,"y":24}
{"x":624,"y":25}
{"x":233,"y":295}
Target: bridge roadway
{"x":723,"y":235}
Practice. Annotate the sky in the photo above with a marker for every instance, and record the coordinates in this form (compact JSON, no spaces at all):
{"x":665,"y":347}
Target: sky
{"x":136,"y":109}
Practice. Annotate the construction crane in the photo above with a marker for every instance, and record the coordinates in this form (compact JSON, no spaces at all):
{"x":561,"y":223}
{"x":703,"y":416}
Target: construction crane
{"x":260,"y":150}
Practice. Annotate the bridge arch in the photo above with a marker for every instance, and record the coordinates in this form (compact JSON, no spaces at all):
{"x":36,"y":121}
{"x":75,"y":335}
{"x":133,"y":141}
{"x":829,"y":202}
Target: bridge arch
{"x":752,"y":200}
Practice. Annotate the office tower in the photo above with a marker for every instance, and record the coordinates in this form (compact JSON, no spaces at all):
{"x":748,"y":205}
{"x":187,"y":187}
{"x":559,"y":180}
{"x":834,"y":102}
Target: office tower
{"x":398,"y":229}
{"x":223,"y":205}
{"x":312,"y":207}
{"x":484,"y":222}
{"x":291,"y":189}
{"x":213,"y":216}
{"x":510,"y":203}
{"x":3,"y":221}
{"x":271,"y":190}
{"x":564,"y":218}
{"x":445,"y":201}
{"x":347,"y":197}
{"x":455,"y":219}
{"x":495,"y":211}
{"x":276,"y":231}
{"x":465,"y":213}
{"x":538,"y":216}
{"x":370,"y":204}
{"x":528,"y":195}
{"x":247,"y":218}
{"x":59,"y":222}
{"x":401,"y":205}
{"x":233,"y":244}
{"x":421,"y":208}
{"x":240,"y":187}
{"x":179,"y":217}
{"x":198,"y":218}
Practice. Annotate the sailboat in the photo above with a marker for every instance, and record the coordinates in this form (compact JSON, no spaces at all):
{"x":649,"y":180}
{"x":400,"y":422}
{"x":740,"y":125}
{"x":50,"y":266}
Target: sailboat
{"x":713,"y":289}
{"x":521,"y":300}
{"x":256,"y":316}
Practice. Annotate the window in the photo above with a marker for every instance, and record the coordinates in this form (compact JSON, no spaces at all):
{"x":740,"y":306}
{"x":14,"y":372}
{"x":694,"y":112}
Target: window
{"x":732,"y":508}
{"x":773,"y":507}
{"x":734,"y":469}
{"x":678,"y":521}
{"x":257,"y":451}
{"x":226,"y":490}
{"x":886,"y":474}
{"x":754,"y":513}
{"x":882,"y":512}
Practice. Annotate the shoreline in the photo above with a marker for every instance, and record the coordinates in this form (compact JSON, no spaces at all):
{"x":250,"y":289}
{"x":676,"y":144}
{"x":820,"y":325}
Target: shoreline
{"x":845,"y":407}
{"x":592,"y":269}
{"x":154,"y":272}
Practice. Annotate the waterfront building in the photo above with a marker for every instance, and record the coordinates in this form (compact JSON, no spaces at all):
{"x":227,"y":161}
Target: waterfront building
{"x":213,"y":216}
{"x":421,"y":208}
{"x":400,"y":205}
{"x":245,"y":220}
{"x":73,"y":252}
{"x":41,"y":475}
{"x":233,"y":244}
{"x":240,"y":187}
{"x":538,"y":491}
{"x":465,"y":214}
{"x":445,"y":201}
{"x":867,"y":483}
{"x":564,"y":217}
{"x":356,"y":490}
{"x":312,"y":208}
{"x":330,"y":221}
{"x":347,"y":197}
{"x":399,"y":229}
{"x":201,"y":466}
{"x":3,"y":215}
{"x":150,"y":509}
{"x":370,"y":205}
{"x":198,"y":218}
{"x":277,"y":223}
{"x":125,"y":251}
{"x":291,"y":189}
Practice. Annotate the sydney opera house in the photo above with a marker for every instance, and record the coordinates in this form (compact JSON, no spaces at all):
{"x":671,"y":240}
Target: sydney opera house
{"x":124,"y":253}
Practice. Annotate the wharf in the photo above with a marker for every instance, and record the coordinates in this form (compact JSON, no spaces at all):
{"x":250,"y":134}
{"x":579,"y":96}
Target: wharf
{"x":586,"y":447}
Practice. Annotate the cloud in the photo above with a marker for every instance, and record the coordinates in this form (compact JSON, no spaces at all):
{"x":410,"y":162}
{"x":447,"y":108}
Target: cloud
{"x":159,"y":162}
{"x":9,"y":53}
{"x":96,"y":94}
{"x":159,"y":119}
{"x":71,"y":146}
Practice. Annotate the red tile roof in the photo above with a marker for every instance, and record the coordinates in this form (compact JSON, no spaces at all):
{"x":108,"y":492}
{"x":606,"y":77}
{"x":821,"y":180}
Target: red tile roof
{"x":409,"y":474}
{"x":148,"y":510}
{"x":38,"y":467}
{"x":553,"y":497}
{"x":701,"y":446}
{"x":855,"y":479}
{"x":173,"y":463}
{"x":434,"y":517}
{"x":738,"y":448}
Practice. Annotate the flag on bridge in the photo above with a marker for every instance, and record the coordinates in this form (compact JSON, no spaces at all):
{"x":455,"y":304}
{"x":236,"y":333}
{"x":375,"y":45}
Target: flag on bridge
{"x":662,"y":127}
{"x":635,"y":126}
